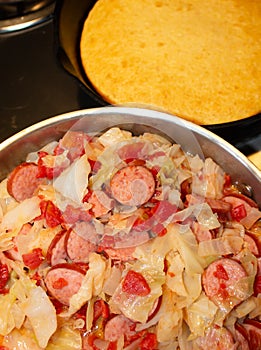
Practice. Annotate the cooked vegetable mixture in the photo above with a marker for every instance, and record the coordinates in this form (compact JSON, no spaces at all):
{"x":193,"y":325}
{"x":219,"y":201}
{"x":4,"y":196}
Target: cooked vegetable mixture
{"x":118,"y":241}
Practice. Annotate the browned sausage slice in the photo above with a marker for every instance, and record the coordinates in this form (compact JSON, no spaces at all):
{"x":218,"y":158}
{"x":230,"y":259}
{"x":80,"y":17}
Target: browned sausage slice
{"x":78,"y":248}
{"x":241,"y":335}
{"x":220,"y":281}
{"x":253,"y":329}
{"x":56,"y":252}
{"x":117,"y":326}
{"x":23,"y":181}
{"x":133,"y":185}
{"x":63,"y":281}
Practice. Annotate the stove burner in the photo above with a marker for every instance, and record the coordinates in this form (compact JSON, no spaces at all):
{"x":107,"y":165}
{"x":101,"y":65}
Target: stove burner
{"x":16,"y":15}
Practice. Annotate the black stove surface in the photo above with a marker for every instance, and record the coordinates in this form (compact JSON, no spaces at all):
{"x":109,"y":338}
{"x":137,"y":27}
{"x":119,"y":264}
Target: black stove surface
{"x":34,"y":86}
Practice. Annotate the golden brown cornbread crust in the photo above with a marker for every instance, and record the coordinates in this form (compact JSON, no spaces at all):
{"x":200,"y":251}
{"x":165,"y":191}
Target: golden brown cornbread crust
{"x":199,"y":59}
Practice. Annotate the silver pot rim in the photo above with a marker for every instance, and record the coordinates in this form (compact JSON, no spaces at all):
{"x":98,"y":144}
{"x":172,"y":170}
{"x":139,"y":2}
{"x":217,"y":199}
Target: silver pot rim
{"x":244,"y":169}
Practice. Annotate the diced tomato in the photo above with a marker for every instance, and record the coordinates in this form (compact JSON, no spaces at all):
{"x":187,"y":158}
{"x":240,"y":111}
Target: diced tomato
{"x":4,"y":277}
{"x":43,"y":171}
{"x":112,"y":345}
{"x":238,"y":212}
{"x":91,"y":339}
{"x":87,"y":196}
{"x":222,"y":291}
{"x":228,"y":182}
{"x":134,"y":336}
{"x":59,"y":307}
{"x":33,"y":259}
{"x":149,"y":342}
{"x":221,"y":273}
{"x":81,"y":313}
{"x":95,"y":165}
{"x":3,"y":348}
{"x":46,"y":171}
{"x":134,"y":283}
{"x":60,"y":283}
{"x":50,"y":213}
{"x":153,"y":219}
{"x":36,"y":277}
{"x":100,"y":309}
{"x":58,"y":150}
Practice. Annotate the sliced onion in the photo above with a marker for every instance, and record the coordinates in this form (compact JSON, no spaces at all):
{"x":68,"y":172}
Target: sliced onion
{"x":112,"y":282}
{"x":220,"y":246}
{"x":253,"y":214}
{"x":42,"y":315}
{"x":24,"y":212}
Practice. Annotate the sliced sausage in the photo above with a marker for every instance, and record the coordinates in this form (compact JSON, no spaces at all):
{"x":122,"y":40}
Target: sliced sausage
{"x":133,"y":185}
{"x":233,"y":193}
{"x":242,"y":211}
{"x":216,"y":338}
{"x":220,"y":279}
{"x":241,"y":336}
{"x":63,"y":281}
{"x":253,"y":329}
{"x":23,"y":181}
{"x":78,"y":248}
{"x":14,"y":253}
{"x":117,"y":326}
{"x":255,"y":233}
{"x":56,"y":252}
{"x":155,"y":308}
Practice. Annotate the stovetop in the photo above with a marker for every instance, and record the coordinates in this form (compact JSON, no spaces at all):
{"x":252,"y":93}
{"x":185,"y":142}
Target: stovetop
{"x":34,"y":86}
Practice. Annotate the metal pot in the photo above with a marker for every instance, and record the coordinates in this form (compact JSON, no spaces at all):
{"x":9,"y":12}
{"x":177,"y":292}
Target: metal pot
{"x":193,"y":138}
{"x":10,"y":9}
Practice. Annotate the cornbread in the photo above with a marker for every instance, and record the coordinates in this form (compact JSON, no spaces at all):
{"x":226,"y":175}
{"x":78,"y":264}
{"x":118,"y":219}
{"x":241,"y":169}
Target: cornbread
{"x":256,"y":159}
{"x":198,"y":59}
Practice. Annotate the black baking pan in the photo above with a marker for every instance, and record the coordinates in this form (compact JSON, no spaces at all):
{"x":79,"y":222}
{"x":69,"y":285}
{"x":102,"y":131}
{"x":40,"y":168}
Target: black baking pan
{"x":69,"y":18}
